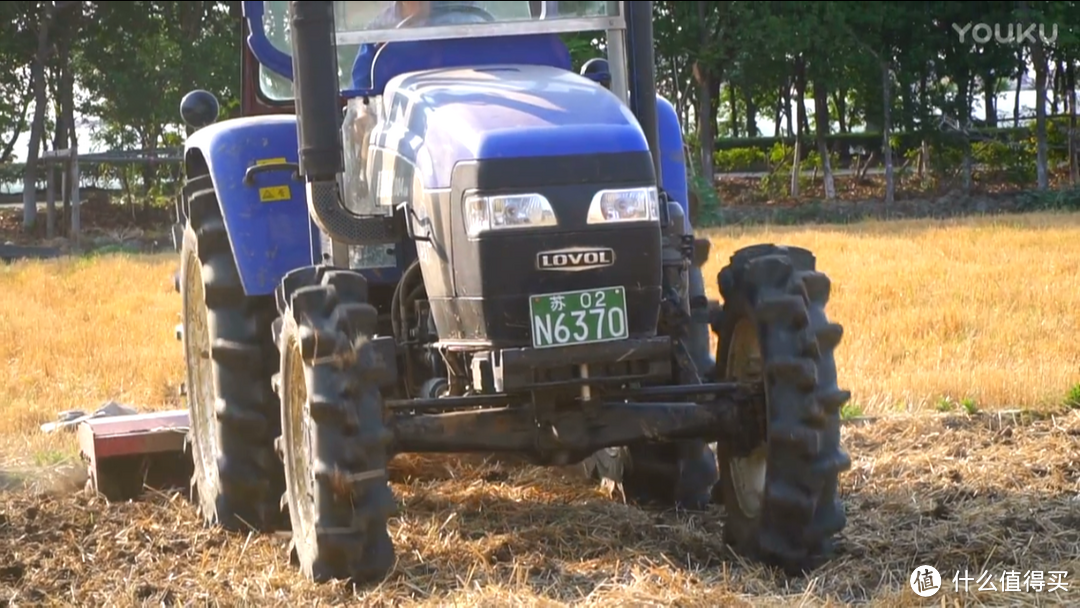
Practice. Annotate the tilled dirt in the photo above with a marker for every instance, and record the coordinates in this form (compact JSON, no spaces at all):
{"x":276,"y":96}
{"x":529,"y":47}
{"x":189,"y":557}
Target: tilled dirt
{"x":989,"y":495}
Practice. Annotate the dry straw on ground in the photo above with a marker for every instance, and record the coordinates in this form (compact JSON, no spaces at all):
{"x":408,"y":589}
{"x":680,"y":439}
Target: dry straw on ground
{"x":985,"y":309}
{"x":77,"y":332}
{"x":978,"y":494}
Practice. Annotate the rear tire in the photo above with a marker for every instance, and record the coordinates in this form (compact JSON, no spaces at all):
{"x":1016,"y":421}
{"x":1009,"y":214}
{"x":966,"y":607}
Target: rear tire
{"x":230,"y":359}
{"x":781,"y":499}
{"x":678,"y":474}
{"x":682,"y":473}
{"x":334,"y":442}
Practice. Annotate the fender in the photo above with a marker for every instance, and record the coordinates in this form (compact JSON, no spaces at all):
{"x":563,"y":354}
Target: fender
{"x":672,"y":156}
{"x":269,"y":229}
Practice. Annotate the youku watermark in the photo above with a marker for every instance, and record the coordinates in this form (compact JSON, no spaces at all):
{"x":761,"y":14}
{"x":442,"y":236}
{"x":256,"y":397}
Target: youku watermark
{"x":1007,"y":33}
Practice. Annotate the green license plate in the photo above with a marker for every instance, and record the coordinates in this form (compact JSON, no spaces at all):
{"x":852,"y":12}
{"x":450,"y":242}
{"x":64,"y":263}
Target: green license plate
{"x":578,"y":317}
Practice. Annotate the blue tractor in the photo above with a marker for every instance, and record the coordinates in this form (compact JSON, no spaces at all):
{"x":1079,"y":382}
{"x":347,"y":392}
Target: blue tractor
{"x":429,"y":234}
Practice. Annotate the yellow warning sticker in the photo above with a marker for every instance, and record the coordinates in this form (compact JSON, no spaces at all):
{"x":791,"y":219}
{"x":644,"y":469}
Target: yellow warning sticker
{"x":271,"y":194}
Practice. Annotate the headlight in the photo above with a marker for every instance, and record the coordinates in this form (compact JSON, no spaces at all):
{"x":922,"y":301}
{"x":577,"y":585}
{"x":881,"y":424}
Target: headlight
{"x":505,"y":212}
{"x":625,"y":205}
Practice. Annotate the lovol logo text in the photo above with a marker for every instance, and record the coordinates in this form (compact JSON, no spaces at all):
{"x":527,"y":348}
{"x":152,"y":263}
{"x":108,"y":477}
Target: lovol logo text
{"x":581,"y":258}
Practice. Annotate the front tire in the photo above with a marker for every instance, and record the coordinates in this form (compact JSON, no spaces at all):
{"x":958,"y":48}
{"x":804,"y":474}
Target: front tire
{"x":230,"y":359}
{"x":334,"y":443}
{"x":781,"y":495}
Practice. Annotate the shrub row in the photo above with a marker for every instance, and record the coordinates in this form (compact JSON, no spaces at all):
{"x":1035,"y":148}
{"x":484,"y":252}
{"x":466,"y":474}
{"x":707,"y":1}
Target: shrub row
{"x":998,"y":147}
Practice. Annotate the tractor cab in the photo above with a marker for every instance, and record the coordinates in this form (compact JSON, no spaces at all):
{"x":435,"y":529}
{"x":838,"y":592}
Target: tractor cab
{"x":470,"y":144}
{"x":527,"y":28}
{"x":496,"y":55}
{"x":361,"y":27}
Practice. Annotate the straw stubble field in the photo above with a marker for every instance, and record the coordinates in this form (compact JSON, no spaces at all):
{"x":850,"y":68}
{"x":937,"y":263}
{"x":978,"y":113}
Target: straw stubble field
{"x":946,"y":323}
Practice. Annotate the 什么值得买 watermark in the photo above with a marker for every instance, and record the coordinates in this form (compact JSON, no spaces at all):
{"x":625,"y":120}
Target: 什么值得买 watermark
{"x":926,"y":581}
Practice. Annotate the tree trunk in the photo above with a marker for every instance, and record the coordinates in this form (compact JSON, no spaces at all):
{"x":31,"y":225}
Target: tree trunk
{"x":751,"y":112}
{"x":733,"y":105}
{"x":963,"y":117}
{"x":53,"y":77}
{"x":924,"y":144}
{"x":990,"y":99}
{"x":708,"y":90}
{"x":1039,"y":61}
{"x":801,"y":121}
{"x":59,"y":171}
{"x":1058,"y":87}
{"x":886,"y":128}
{"x":779,"y":112}
{"x":37,"y":127}
{"x":1052,"y":88}
{"x":786,"y":103}
{"x":706,"y":113}
{"x":1070,"y":81}
{"x":821,"y":126}
{"x":840,"y":99}
{"x":1021,"y":70}
{"x":1038,"y":57}
{"x":67,"y":99}
{"x":924,"y":158}
{"x":804,"y":117}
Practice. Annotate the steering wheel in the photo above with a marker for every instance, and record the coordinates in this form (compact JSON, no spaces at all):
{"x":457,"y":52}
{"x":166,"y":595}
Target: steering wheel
{"x":449,"y":9}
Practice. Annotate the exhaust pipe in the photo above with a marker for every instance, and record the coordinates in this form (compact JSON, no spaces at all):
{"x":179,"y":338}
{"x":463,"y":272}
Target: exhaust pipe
{"x":642,"y":77}
{"x":318,"y":125}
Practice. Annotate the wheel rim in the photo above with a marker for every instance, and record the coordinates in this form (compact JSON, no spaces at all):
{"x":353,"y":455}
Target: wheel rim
{"x":201,"y":379}
{"x":744,"y":364}
{"x":299,"y":452}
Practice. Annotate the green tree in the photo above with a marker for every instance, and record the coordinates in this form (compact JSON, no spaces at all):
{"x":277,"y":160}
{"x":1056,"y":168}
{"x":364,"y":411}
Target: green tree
{"x":138,"y":59}
{"x":17,"y":47}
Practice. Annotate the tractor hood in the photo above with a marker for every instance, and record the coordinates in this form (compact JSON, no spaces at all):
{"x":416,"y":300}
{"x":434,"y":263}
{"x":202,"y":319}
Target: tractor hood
{"x":438,"y":118}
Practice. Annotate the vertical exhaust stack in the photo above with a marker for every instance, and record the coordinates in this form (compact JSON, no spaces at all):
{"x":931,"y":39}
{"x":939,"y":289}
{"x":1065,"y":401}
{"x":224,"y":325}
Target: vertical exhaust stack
{"x":315,"y":85}
{"x":315,"y":82}
{"x":642,"y":70}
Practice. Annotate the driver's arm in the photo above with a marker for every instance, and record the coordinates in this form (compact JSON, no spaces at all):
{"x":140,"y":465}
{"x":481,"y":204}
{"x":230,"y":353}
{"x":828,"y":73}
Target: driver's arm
{"x":361,"y":67}
{"x":388,"y":18}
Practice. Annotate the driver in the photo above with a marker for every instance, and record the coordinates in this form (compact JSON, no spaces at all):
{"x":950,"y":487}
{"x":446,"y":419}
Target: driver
{"x":396,"y":14}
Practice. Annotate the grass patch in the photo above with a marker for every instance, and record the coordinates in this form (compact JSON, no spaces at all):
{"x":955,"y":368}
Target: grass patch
{"x":1072,"y":399}
{"x":851,"y":411}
